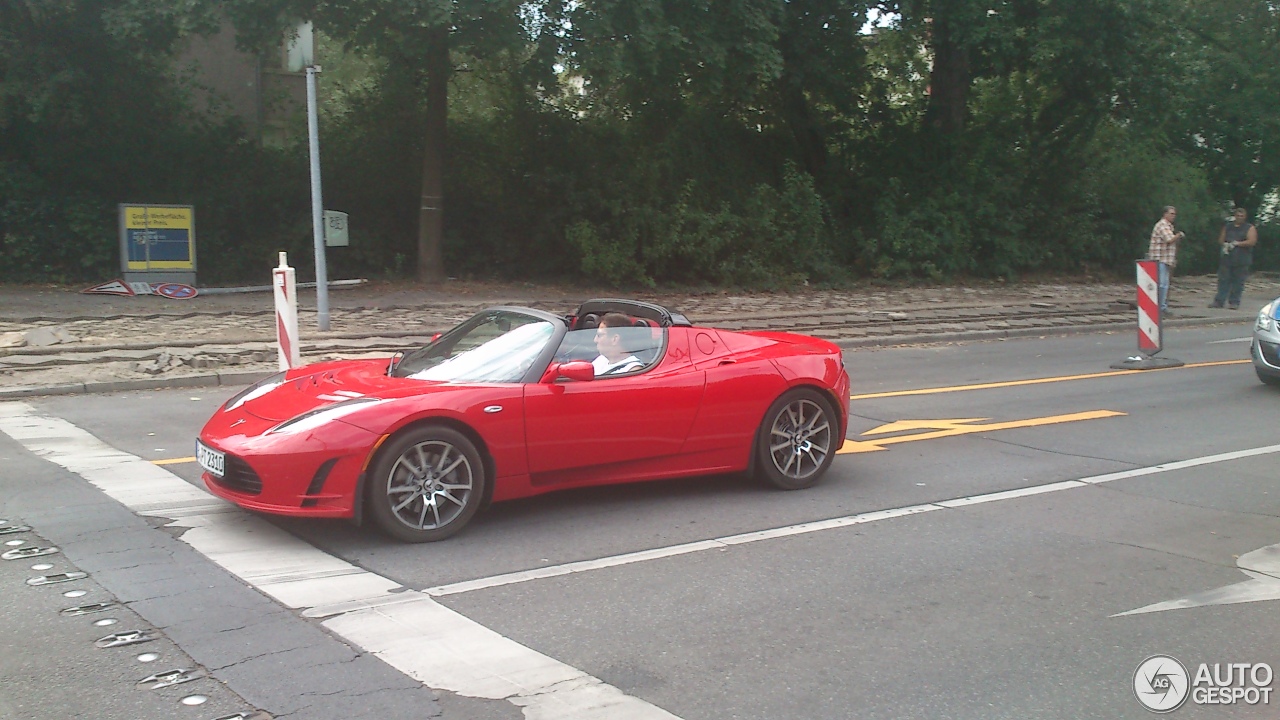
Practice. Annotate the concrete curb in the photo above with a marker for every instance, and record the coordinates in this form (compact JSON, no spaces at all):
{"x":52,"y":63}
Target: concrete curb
{"x":245,"y":377}
{"x":307,"y":340}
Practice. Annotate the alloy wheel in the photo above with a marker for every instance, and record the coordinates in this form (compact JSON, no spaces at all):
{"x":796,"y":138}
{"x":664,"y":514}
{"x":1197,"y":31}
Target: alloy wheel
{"x":430,"y":485}
{"x":800,"y":439}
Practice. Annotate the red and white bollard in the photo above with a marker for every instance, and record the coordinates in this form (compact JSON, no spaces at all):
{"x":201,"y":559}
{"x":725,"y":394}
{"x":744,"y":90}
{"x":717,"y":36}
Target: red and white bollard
{"x":1150,"y":337}
{"x":1150,"y":323}
{"x":285,"y":284}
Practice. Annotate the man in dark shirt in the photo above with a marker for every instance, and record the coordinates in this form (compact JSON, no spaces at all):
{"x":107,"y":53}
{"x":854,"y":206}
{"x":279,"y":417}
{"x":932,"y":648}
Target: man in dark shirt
{"x":1236,"y":240}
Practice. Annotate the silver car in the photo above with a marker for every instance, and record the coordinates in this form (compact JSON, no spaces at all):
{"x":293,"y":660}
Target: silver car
{"x":1266,"y":343}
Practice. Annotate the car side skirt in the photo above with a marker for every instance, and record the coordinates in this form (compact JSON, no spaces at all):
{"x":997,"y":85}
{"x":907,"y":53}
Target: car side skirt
{"x":712,"y":462}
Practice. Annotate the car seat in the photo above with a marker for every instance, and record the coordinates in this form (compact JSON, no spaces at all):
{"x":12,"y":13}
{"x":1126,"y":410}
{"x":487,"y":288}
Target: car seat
{"x":652,"y":344}
{"x":590,"y":321}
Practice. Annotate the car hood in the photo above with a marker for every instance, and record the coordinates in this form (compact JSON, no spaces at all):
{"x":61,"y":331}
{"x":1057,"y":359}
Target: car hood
{"x":316,"y":386}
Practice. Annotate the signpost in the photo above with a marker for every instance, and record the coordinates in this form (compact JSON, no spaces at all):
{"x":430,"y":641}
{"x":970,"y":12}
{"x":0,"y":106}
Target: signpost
{"x":158,"y":243}
{"x":1150,"y":323}
{"x":317,"y":203}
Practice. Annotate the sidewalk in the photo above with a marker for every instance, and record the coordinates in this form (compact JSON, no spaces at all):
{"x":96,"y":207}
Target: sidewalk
{"x":55,"y":341}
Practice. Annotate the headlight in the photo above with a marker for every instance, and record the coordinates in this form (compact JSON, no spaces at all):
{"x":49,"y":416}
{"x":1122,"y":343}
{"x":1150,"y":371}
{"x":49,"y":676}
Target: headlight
{"x":1267,"y":317}
{"x":256,"y":390}
{"x":315,"y":418}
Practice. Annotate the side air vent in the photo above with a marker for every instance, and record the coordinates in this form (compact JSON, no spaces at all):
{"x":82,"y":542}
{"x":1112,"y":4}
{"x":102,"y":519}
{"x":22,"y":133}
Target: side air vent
{"x":317,"y":481}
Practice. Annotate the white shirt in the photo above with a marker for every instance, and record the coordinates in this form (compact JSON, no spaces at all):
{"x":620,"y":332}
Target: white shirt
{"x":627,"y":364}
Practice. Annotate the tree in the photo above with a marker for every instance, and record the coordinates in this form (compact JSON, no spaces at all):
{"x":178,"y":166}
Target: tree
{"x":89,"y":115}
{"x":418,"y":39}
{"x":1227,"y":109}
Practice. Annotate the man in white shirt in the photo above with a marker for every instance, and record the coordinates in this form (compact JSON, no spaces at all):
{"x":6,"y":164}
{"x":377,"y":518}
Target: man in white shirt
{"x":614,"y":359}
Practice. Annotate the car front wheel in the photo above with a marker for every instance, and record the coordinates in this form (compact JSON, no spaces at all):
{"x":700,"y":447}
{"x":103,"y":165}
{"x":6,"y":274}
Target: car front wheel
{"x":426,"y":485}
{"x":798,"y":440}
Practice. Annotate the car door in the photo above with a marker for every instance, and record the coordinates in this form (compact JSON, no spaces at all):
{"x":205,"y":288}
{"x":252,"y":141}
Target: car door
{"x":740,"y":384}
{"x":609,"y":424}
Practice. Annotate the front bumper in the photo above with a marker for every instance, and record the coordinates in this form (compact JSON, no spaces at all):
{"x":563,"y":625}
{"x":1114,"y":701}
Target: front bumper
{"x":1265,"y":352}
{"x":314,"y":474}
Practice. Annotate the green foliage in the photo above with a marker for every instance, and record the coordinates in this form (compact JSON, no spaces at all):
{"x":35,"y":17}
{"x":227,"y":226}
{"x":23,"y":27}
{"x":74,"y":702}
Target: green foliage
{"x":1225,"y":109}
{"x":644,"y":142}
{"x":1129,"y":181}
{"x":91,"y":116}
{"x":777,"y":237}
{"x":1267,"y":255}
{"x":44,"y":236}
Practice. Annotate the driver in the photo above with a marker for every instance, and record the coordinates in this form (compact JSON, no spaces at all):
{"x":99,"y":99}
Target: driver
{"x":614,"y":357}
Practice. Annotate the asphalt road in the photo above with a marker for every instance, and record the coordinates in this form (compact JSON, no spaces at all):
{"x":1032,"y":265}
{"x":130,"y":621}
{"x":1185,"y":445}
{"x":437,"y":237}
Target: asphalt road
{"x":951,"y":602}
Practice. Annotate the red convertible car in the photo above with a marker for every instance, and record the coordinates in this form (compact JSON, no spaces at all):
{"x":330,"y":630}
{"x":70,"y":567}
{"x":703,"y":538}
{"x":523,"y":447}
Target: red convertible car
{"x":515,"y":402}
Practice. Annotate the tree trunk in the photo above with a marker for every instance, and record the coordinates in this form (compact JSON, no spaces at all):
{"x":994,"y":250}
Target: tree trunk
{"x":949,"y":80}
{"x":431,"y":213}
{"x":804,"y":127}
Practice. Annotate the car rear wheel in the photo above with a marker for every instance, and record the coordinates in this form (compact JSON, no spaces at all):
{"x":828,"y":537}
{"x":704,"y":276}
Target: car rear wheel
{"x":426,"y":485}
{"x":798,"y":440}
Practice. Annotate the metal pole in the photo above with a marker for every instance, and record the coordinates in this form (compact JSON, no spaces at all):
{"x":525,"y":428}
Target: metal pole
{"x":317,"y":203}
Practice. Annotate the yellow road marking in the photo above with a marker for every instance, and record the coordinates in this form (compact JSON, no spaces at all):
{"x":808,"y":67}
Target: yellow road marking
{"x":958,"y":426}
{"x":173,"y":461}
{"x":1037,"y":381}
{"x":901,"y":425}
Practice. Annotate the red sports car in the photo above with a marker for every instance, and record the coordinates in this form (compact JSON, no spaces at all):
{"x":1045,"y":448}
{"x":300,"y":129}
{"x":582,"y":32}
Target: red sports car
{"x":516,"y":402}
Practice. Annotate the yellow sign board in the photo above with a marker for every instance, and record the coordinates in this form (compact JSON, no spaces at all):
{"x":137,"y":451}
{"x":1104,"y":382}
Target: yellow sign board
{"x":157,"y":237}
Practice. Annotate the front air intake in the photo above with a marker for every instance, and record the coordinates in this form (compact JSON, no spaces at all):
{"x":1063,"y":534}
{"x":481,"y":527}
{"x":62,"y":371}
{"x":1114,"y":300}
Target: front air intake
{"x":240,"y":477}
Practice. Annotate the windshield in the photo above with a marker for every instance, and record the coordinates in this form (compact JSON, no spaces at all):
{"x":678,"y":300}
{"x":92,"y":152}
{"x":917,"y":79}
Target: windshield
{"x":495,"y":346}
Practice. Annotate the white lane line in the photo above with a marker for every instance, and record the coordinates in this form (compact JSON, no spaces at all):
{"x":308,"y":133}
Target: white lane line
{"x":808,"y":527}
{"x":1182,"y":464}
{"x":1232,"y":340}
{"x":407,"y":629}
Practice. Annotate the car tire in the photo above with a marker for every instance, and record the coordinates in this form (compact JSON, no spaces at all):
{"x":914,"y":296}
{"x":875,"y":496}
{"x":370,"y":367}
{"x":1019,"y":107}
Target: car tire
{"x":1271,"y":380}
{"x":797,"y":440}
{"x":426,"y":484}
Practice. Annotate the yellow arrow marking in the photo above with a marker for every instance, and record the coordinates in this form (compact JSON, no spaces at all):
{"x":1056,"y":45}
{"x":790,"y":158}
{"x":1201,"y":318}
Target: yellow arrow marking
{"x":922,"y":425}
{"x":961,"y":426}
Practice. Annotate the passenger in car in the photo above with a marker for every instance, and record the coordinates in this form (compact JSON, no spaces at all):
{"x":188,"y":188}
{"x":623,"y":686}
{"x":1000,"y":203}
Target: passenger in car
{"x":614,"y":358}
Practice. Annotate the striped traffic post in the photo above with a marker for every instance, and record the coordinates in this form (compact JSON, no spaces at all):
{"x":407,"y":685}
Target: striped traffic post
{"x":1150,"y":339}
{"x":285,"y":283}
{"x":1150,"y":323}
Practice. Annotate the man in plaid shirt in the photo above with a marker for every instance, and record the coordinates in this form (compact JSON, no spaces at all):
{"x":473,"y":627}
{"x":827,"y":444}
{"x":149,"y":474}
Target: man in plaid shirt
{"x":1164,"y":248}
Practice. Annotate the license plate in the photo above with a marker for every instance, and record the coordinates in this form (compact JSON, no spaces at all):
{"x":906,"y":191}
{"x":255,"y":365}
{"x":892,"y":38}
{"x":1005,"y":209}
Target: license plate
{"x":213,"y":461}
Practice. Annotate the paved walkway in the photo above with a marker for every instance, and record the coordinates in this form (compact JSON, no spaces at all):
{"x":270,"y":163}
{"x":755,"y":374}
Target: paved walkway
{"x":59,"y":341}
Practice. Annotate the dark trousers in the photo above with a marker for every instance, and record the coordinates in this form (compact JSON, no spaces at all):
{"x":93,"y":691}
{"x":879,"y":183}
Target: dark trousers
{"x":1231,"y":277}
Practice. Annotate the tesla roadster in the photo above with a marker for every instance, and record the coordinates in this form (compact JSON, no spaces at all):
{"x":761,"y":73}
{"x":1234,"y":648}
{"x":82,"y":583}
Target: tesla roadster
{"x":508,"y":404}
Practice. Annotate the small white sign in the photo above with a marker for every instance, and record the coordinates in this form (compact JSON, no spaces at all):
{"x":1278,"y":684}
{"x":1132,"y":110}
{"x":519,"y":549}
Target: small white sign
{"x":335,"y":229}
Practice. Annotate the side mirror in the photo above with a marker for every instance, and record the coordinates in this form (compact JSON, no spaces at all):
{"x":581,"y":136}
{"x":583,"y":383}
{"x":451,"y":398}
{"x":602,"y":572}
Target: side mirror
{"x":579,"y":370}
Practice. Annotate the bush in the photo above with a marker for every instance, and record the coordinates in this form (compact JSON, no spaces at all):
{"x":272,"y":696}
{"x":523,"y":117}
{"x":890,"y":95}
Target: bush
{"x":778,"y":237}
